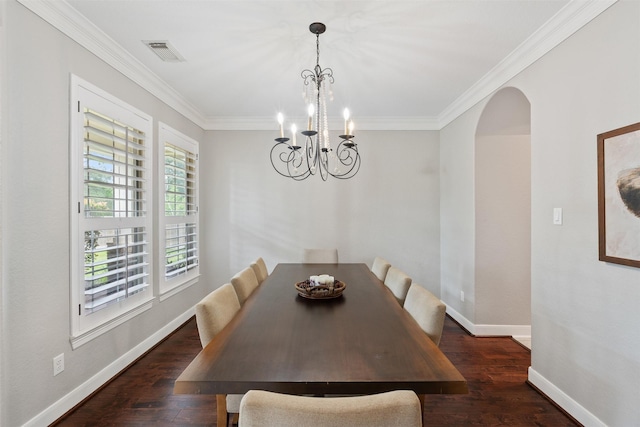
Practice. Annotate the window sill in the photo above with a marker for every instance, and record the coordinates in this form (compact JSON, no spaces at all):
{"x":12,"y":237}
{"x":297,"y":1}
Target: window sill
{"x":82,"y":339}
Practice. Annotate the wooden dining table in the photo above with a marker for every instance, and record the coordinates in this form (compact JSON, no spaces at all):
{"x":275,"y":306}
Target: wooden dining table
{"x":363,"y":342}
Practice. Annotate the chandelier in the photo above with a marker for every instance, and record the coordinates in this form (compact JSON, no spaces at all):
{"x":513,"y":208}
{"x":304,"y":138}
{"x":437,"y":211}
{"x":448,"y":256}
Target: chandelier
{"x":315,"y":155}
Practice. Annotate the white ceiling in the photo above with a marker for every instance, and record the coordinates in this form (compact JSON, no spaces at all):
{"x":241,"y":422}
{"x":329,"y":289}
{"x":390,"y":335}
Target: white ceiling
{"x":392,"y":60}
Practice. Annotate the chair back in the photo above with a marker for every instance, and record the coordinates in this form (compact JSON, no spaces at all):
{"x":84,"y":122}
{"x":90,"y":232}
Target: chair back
{"x":321,"y":256}
{"x":398,"y":283}
{"x":244,"y":282}
{"x":268,"y":409}
{"x":427,"y":310}
{"x":380,"y":267}
{"x":214,"y":311}
{"x":260,"y":269}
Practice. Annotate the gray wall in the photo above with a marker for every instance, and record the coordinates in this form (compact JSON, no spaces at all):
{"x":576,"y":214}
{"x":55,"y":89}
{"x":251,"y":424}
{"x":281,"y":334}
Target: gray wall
{"x":35,"y":208}
{"x":389,"y":209}
{"x":503,"y":230}
{"x":586,"y":344}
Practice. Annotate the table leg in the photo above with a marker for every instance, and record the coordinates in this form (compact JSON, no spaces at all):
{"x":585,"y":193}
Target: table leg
{"x":421,"y":397}
{"x":221,"y":404}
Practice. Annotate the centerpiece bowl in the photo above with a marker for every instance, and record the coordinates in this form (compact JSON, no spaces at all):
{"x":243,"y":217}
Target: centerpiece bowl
{"x":307,"y":290}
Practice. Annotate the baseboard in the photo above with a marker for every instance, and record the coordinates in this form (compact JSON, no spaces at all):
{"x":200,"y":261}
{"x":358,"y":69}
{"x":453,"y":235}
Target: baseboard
{"x":544,"y":386}
{"x":463,"y":321}
{"x":503,"y":330}
{"x":489,"y":330}
{"x":560,"y":398}
{"x":67,"y":402}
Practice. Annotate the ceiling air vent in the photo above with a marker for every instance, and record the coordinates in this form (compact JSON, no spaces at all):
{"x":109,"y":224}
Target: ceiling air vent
{"x":164,"y":50}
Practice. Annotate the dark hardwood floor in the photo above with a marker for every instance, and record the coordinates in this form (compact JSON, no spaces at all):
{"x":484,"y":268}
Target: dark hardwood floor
{"x":495,"y":368}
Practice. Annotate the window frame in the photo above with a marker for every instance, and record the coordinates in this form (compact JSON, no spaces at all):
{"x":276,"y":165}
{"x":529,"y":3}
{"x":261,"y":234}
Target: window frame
{"x":86,"y":326}
{"x":171,"y":136}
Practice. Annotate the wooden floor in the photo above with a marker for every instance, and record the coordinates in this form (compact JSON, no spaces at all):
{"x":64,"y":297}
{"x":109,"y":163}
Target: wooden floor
{"x":495,"y":368}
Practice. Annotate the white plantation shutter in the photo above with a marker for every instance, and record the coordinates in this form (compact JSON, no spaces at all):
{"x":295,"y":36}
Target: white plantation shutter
{"x":111,"y":152}
{"x":180,"y":179}
{"x":181,"y":249}
{"x":116,"y":266}
{"x":114,"y":168}
{"x":179,"y":218}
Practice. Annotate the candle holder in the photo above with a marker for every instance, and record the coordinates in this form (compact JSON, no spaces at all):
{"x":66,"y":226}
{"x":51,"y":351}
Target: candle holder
{"x":299,"y":162}
{"x":346,"y":140}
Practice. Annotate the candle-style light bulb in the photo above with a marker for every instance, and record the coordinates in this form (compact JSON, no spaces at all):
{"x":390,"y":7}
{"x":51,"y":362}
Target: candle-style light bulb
{"x":281,"y":121}
{"x":294,"y":129}
{"x":346,"y":119}
{"x":350,"y":127}
{"x":310,"y":111}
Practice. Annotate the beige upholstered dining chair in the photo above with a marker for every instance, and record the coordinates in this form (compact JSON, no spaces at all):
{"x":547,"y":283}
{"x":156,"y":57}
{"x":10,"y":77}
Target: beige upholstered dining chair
{"x":427,"y":310}
{"x":267,"y":409}
{"x":398,"y":283}
{"x":213,"y":313}
{"x":244,"y":282}
{"x":321,"y":256}
{"x":380,"y":267}
{"x":260,"y":269}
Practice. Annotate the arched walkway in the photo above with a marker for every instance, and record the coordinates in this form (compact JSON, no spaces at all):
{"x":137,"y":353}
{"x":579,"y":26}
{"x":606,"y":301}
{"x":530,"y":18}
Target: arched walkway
{"x":503,"y":213}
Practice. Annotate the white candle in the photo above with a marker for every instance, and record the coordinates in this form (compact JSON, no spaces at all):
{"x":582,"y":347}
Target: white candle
{"x":350,"y":127}
{"x":281,"y":121}
{"x":293,"y":134}
{"x":346,"y":119}
{"x":310,"y":111}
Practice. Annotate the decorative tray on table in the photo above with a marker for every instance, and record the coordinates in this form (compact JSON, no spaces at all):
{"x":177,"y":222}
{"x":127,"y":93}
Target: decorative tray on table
{"x":312,"y":290}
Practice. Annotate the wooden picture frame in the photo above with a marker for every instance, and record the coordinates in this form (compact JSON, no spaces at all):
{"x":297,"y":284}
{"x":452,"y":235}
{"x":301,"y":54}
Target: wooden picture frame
{"x":619,"y":195}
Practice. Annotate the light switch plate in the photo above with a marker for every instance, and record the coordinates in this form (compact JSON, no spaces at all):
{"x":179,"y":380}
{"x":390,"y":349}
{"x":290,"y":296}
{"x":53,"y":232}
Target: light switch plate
{"x":557,"y":216}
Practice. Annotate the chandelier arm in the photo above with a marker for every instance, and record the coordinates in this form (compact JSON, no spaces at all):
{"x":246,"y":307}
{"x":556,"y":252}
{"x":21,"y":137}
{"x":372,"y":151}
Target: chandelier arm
{"x":300,"y":177}
{"x":308,"y":76}
{"x":347,"y":154}
{"x":291,"y":162}
{"x":278,"y":156}
{"x":344,"y":154}
{"x":350,"y":173}
{"x":327,"y":73}
{"x":284,"y":155}
{"x":311,"y":155}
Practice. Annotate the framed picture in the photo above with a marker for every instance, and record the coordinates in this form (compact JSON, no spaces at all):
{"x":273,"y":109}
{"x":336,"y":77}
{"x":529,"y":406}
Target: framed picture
{"x":619,"y":195}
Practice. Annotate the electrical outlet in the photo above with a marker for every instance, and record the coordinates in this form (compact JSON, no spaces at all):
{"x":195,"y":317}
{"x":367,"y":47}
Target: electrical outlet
{"x":58,"y":364}
{"x":462,"y":296}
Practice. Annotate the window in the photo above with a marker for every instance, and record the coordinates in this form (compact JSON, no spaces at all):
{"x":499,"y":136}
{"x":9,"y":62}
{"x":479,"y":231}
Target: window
{"x":179,"y":215}
{"x":111,"y":149}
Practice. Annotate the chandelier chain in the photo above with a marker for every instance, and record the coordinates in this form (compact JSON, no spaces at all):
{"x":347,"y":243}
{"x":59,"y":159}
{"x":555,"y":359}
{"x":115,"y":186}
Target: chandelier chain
{"x":318,"y":49}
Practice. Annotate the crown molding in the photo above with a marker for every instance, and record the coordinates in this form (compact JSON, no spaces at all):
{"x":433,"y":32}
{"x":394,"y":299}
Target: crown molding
{"x":70,"y":22}
{"x":563,"y":24}
{"x":363,"y":123}
{"x":568,"y":20}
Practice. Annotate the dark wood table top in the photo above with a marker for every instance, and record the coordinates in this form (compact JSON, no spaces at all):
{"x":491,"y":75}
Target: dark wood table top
{"x":363,"y":342}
